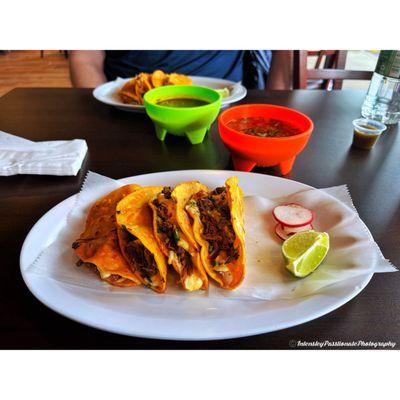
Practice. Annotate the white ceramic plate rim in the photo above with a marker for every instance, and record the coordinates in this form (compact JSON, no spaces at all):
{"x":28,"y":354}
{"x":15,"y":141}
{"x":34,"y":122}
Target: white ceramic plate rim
{"x":102,"y":92}
{"x":305,"y":309}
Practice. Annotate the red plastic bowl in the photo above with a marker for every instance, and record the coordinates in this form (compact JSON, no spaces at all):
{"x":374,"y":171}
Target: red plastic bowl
{"x":249,"y":151}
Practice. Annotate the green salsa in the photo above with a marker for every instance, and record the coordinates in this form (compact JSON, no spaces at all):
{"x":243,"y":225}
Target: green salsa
{"x":366,"y":140}
{"x":182,"y":102}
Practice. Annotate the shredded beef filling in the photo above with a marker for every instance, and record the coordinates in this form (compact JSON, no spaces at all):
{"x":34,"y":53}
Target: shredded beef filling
{"x":141,"y":257}
{"x":169,"y":231}
{"x":81,"y":263}
{"x":114,"y":277}
{"x":167,"y":192}
{"x":215,"y":216}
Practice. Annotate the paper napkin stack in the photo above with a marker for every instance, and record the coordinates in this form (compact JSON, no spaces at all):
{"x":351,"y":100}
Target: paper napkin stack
{"x":57,"y":157}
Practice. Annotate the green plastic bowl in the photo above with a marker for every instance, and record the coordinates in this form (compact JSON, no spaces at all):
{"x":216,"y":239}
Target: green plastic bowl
{"x":192,"y":122}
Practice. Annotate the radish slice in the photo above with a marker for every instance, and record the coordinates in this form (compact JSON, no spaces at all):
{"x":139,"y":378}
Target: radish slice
{"x":280,"y":232}
{"x":285,"y":232}
{"x":290,"y":230}
{"x":293,"y":215}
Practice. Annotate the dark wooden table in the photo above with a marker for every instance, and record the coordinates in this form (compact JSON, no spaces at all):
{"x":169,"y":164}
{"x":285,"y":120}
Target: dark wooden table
{"x":123,"y":144}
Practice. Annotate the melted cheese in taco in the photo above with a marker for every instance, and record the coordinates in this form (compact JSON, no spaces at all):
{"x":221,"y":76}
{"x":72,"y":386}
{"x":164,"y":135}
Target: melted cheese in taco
{"x":182,"y":255}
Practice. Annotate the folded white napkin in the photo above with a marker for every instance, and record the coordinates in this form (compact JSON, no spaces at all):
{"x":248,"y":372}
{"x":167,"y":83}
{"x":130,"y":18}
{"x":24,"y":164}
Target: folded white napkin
{"x":56,"y":157}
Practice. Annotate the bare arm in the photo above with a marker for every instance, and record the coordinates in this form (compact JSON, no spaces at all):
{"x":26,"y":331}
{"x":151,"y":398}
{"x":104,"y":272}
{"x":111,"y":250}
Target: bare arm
{"x":280,"y":73}
{"x":86,"y":68}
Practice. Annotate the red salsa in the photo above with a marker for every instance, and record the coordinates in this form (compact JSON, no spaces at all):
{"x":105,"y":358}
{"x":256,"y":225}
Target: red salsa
{"x":263,"y":127}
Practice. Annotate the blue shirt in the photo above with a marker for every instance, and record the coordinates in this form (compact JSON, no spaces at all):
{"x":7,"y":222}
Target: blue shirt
{"x":226,"y":64}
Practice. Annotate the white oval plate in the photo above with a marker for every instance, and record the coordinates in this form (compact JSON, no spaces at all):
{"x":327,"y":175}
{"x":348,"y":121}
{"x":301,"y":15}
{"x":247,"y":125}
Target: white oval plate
{"x":108,"y":92}
{"x":172,"y":317}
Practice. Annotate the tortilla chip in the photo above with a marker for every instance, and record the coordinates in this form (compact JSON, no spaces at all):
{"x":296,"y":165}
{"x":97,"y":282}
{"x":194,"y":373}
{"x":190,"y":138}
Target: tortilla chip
{"x":158,"y":78}
{"x":127,"y":93}
{"x":135,"y":88}
{"x":179,"y":79}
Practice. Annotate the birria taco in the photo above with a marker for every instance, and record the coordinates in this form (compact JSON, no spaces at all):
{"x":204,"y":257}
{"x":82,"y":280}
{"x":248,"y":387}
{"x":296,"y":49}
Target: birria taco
{"x":98,"y":245}
{"x":218,"y":228}
{"x":137,"y":241}
{"x":175,"y":242}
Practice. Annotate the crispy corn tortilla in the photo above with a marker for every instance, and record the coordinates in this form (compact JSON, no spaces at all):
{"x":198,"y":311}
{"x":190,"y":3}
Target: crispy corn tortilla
{"x":135,"y":88}
{"x":231,"y":274}
{"x":182,"y":194}
{"x":98,"y":244}
{"x":158,"y":78}
{"x":178,"y":79}
{"x":193,"y":276}
{"x":127,"y":93}
{"x":134,"y":216}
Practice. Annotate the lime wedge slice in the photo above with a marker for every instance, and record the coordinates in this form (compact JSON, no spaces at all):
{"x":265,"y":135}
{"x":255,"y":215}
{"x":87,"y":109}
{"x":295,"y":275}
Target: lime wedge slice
{"x":305,"y":251}
{"x":224,"y":92}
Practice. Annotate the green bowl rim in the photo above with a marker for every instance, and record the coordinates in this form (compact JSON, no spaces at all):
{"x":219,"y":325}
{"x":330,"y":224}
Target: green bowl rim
{"x":212,"y":104}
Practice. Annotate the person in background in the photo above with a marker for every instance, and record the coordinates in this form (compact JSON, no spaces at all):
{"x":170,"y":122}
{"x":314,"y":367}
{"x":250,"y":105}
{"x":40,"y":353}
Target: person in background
{"x":254,"y":68}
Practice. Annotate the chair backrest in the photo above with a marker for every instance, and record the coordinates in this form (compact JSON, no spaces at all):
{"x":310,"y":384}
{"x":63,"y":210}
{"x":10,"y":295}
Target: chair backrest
{"x":330,"y":76}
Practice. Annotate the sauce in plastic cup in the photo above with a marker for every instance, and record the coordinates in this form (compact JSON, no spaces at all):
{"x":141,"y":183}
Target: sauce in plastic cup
{"x":366,"y":132}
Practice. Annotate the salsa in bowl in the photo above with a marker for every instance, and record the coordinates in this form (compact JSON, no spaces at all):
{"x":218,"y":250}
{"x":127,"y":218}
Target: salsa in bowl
{"x":182,"y":110}
{"x":263,"y":127}
{"x":265,"y":135}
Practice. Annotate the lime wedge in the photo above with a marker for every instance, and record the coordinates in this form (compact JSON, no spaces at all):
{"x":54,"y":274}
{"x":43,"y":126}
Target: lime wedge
{"x":305,"y":251}
{"x":224,"y":92}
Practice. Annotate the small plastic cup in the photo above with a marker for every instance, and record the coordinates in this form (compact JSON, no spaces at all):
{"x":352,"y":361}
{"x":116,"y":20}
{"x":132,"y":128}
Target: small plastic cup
{"x":367,"y":132}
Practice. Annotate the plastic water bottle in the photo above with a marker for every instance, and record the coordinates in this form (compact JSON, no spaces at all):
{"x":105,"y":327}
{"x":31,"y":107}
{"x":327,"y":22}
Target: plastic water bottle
{"x":382,"y":102}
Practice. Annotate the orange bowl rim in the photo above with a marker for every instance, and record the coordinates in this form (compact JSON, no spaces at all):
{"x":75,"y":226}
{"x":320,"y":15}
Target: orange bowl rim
{"x":251,"y":137}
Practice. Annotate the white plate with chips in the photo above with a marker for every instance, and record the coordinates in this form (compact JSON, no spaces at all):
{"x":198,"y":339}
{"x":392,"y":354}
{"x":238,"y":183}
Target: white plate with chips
{"x":107,"y":93}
